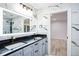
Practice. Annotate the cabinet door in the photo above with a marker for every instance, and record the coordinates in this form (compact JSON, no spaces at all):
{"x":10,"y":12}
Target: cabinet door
{"x":38,"y":48}
{"x":46,"y":46}
{"x":36,"y":52}
{"x":17,"y":53}
{"x":27,"y":51}
{"x":43,"y":47}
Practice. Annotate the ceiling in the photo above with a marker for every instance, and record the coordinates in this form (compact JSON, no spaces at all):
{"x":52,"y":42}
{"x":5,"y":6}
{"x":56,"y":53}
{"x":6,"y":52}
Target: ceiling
{"x":39,"y":6}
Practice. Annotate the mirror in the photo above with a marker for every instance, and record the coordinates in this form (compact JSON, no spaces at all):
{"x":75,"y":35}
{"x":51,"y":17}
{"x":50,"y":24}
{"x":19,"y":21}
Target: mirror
{"x":13,"y":23}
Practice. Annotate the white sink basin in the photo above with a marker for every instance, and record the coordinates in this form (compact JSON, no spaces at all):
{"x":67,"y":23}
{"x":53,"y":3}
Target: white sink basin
{"x":10,"y":47}
{"x":38,"y":38}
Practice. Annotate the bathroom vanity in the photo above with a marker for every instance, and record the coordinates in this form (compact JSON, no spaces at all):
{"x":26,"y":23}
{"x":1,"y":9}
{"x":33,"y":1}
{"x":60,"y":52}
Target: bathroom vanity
{"x":33,"y":45}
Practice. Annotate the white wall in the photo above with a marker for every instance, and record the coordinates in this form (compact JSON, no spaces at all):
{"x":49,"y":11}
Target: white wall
{"x":44,"y":22}
{"x":75,"y":34}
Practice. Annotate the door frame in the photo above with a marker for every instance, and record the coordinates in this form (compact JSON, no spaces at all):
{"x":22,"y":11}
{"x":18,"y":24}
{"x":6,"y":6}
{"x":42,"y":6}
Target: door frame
{"x":68,"y":31}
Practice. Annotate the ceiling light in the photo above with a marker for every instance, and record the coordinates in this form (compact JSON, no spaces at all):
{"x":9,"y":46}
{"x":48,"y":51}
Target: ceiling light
{"x":25,"y":7}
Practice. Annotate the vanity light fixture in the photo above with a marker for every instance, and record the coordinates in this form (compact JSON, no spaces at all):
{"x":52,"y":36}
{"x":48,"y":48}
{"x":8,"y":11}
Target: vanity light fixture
{"x":25,"y":7}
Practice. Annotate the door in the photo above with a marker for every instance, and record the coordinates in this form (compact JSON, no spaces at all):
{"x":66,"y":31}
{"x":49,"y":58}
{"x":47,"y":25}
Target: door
{"x":61,"y":33}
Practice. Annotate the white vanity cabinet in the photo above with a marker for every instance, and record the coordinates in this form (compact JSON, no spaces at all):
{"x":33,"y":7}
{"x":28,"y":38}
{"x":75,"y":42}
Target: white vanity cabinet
{"x":39,"y":48}
{"x":36,"y":49}
{"x":17,"y":53}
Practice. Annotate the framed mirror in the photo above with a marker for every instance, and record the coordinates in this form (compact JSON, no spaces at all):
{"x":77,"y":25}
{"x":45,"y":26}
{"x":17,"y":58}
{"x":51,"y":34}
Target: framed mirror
{"x":13,"y":23}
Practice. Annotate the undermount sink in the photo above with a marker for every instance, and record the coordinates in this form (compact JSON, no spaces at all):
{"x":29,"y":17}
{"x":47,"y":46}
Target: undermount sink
{"x":10,"y":47}
{"x":38,"y":38}
{"x":28,"y":41}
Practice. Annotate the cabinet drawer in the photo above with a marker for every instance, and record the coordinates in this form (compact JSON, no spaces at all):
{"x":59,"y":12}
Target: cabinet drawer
{"x":36,"y":45}
{"x":28,"y":51}
{"x":37,"y":48}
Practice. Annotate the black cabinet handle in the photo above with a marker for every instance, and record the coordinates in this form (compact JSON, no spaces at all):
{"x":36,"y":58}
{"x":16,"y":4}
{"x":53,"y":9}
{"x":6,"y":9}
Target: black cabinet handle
{"x":42,"y":43}
{"x":46,"y":41}
{"x":36,"y":44}
{"x":36,"y":51}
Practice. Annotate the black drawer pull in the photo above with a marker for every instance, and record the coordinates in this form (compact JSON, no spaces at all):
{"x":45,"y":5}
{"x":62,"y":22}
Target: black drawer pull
{"x":42,"y":43}
{"x":36,"y":44}
{"x":46,"y":41}
{"x":36,"y":51}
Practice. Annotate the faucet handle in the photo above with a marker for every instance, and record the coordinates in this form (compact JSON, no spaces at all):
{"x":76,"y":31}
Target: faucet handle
{"x":13,"y":37}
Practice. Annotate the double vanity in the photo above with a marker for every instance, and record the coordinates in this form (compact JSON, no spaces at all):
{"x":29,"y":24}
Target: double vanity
{"x":32,"y":45}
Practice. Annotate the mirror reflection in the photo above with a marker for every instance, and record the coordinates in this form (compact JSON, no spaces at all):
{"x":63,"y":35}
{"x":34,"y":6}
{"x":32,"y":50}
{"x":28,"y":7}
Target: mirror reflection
{"x":13,"y":23}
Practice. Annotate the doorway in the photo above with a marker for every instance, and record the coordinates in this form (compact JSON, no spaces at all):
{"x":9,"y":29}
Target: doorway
{"x":59,"y":33}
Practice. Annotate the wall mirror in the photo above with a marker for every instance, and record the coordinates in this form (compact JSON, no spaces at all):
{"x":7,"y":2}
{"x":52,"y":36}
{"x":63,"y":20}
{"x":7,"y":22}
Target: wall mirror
{"x":13,"y":23}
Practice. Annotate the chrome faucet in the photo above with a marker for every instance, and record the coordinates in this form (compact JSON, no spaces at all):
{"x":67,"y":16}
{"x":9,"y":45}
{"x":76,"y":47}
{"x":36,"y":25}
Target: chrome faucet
{"x":12,"y":39}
